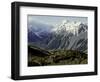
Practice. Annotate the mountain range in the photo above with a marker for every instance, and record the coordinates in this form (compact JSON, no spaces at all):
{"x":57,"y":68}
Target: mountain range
{"x":67,"y":35}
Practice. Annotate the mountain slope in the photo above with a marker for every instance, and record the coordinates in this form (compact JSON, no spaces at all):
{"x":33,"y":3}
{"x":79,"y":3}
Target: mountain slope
{"x":78,"y":43}
{"x":68,"y":39}
{"x":68,"y":35}
{"x":40,"y":57}
{"x":38,"y":31}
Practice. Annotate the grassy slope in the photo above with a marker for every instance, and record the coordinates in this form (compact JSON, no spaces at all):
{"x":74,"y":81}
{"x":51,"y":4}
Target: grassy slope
{"x":56,"y":57}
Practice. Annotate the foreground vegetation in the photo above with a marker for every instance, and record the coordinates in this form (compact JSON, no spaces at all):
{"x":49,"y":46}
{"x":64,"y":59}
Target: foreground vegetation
{"x":40,"y":57}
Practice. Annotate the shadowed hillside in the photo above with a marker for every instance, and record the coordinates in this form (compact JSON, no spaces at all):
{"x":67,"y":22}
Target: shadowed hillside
{"x":41,"y":57}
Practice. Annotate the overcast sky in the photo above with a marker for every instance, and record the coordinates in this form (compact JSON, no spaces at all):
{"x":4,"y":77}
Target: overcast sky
{"x":53,"y":20}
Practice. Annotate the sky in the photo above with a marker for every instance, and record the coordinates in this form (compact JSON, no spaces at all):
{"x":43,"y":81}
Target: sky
{"x":53,"y":20}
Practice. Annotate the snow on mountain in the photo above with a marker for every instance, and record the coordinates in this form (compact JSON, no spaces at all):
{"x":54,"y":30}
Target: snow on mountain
{"x":69,"y":26}
{"x":67,"y":35}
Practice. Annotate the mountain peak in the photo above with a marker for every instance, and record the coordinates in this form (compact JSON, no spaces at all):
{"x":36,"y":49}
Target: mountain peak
{"x":69,"y":26}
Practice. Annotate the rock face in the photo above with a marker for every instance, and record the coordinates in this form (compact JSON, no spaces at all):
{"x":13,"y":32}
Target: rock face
{"x":68,"y":35}
{"x":74,"y":38}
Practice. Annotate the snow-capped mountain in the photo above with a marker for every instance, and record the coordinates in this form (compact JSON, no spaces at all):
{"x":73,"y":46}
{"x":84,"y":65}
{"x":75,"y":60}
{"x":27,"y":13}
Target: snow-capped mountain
{"x":70,"y":35}
{"x":70,"y":27}
{"x":67,"y":35}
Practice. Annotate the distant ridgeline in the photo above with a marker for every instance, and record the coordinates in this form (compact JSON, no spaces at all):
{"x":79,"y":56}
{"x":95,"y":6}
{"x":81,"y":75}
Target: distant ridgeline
{"x":69,"y":35}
